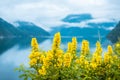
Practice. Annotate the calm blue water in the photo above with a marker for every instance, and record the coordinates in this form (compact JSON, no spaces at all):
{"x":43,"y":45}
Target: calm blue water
{"x":15,"y":51}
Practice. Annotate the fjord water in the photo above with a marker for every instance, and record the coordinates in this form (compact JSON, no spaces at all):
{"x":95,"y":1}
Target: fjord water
{"x":15,"y":51}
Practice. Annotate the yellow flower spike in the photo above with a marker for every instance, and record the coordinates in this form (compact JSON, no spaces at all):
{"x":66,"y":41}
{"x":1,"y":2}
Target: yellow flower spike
{"x":42,"y":71}
{"x":86,"y":64}
{"x":35,"y":55}
{"x":69,"y":47}
{"x":49,"y":55}
{"x":98,"y":44}
{"x":85,"y":47}
{"x":82,"y":61}
{"x":97,"y":58}
{"x":82,"y":58}
{"x":42,"y":58}
{"x":98,"y":48}
{"x":110,"y":50}
{"x":108,"y":58}
{"x":59,"y":62}
{"x":31,"y":56}
{"x":56,"y":41}
{"x":67,"y":59}
{"x":33,"y":61}
{"x":34,"y":43}
{"x":46,"y":62}
{"x":74,"y":43}
{"x":73,"y":47}
{"x":93,"y":65}
{"x":59,"y":53}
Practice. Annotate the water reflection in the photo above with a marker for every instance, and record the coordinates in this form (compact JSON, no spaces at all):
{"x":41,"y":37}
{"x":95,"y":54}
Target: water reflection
{"x":13,"y":52}
{"x":7,"y":43}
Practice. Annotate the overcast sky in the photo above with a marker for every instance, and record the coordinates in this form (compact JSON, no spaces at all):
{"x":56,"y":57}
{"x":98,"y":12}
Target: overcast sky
{"x":49,"y":13}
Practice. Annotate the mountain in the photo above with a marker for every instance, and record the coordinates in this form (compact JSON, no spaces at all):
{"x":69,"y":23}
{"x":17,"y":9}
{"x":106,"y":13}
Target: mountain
{"x":8,"y":30}
{"x":114,"y":34}
{"x":24,"y":29}
{"x":88,"y":33}
{"x":102,"y":24}
{"x":31,"y":29}
{"x":89,"y":30}
{"x":77,"y":18}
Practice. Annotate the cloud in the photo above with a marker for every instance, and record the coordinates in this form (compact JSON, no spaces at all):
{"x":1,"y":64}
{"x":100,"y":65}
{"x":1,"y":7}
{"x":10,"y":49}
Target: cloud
{"x":108,"y":28}
{"x":47,"y":13}
{"x":100,"y":20}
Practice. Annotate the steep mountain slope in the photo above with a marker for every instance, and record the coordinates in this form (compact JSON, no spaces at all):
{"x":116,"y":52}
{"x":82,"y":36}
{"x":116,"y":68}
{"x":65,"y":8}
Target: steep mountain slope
{"x":8,"y":30}
{"x":25,"y":29}
{"x":31,"y":29}
{"x":114,"y":34}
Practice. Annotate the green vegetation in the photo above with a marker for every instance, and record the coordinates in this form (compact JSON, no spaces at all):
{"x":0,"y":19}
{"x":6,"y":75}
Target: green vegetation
{"x":57,"y":64}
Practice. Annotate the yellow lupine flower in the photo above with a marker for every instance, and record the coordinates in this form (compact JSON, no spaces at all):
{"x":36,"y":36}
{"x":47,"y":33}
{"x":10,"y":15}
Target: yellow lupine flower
{"x":85,"y":47}
{"x":98,"y":44}
{"x":56,"y":41}
{"x":110,"y":50}
{"x":74,"y":44}
{"x":59,"y":62}
{"x":42,"y":58}
{"x":82,"y":59}
{"x":35,"y":55}
{"x":97,"y":58}
{"x":98,"y":48}
{"x":86,"y":63}
{"x":83,"y":62}
{"x":107,"y":58}
{"x":46,"y":62}
{"x":33,"y":61}
{"x":42,"y":71}
{"x":34,"y":43}
{"x":93,"y":65}
{"x":31,"y":56}
{"x":59,"y":53}
{"x":49,"y":55}
{"x":67,"y":60}
{"x":69,"y":47}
